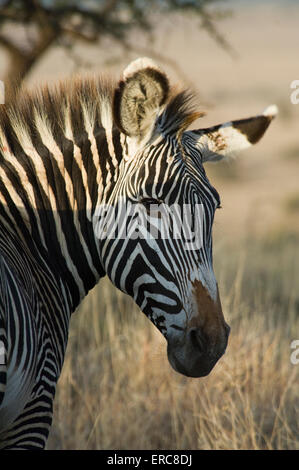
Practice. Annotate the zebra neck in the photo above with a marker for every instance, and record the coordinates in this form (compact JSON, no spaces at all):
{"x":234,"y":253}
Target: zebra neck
{"x":48,"y":194}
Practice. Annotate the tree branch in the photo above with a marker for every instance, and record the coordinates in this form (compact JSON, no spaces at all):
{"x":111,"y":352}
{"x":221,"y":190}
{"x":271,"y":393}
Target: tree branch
{"x":208,"y":24}
{"x":10,"y":47}
{"x":79,"y":35}
{"x":108,"y":7}
{"x":51,"y":20}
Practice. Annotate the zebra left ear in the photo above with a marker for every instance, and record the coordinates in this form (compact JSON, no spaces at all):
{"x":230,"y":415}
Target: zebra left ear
{"x":138,"y":97}
{"x":220,"y":141}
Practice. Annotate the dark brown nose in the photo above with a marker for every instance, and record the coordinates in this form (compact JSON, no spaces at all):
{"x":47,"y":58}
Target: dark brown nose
{"x":206,"y":350}
{"x":209,"y":317}
{"x":206,"y":345}
{"x":206,"y":336}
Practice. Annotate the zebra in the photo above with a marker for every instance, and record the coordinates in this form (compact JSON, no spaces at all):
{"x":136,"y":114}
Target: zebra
{"x":66,"y":152}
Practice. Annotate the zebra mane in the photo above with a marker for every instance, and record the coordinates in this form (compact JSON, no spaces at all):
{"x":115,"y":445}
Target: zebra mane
{"x":180,"y":112}
{"x":81,"y":101}
{"x":77,"y":99}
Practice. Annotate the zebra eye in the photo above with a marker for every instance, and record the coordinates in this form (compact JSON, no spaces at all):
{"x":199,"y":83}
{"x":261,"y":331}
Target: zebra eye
{"x":151,"y":206}
{"x":148,"y":201}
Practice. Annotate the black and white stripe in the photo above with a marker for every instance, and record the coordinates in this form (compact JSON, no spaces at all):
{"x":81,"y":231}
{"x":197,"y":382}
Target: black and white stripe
{"x":64,"y":154}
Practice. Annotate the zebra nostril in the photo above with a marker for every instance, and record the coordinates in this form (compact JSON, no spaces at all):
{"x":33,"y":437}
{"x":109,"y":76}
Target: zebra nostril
{"x":197,"y":340}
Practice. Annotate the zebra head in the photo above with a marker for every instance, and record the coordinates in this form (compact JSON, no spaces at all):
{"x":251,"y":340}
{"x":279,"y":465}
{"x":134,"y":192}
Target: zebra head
{"x":165,"y":206}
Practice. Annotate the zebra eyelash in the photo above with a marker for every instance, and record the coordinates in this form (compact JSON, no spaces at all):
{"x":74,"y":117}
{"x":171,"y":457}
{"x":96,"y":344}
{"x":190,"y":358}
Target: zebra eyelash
{"x":148,"y":201}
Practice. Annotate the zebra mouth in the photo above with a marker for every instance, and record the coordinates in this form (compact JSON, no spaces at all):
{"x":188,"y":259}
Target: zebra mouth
{"x":196,"y":369}
{"x":196,"y":356}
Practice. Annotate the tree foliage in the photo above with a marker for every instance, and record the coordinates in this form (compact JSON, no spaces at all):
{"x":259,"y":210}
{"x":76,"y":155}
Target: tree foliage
{"x":48,"y":21}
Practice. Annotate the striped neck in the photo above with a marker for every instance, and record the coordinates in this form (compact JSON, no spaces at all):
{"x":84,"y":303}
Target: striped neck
{"x":54,"y":171}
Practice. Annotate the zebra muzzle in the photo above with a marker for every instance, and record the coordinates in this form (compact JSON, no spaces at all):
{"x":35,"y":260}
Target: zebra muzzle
{"x":204,"y":340}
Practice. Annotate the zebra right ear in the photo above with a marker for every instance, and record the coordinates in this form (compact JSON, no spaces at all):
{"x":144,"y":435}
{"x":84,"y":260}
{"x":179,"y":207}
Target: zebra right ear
{"x":138,"y":97}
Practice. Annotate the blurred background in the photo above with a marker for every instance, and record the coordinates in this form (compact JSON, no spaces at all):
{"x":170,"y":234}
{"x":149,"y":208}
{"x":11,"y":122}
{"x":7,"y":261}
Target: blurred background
{"x":117,"y":390}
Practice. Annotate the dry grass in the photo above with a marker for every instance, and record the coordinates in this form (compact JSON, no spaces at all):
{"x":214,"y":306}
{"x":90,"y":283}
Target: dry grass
{"x":292,"y":203}
{"x":117,"y":390}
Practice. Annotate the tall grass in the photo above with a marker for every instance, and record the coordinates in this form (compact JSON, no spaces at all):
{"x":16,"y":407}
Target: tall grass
{"x":117,"y":390}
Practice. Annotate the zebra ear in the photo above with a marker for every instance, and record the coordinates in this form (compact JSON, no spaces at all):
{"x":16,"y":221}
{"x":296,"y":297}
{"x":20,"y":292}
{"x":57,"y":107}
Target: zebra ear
{"x":223,"y":140}
{"x":138,"y":97}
